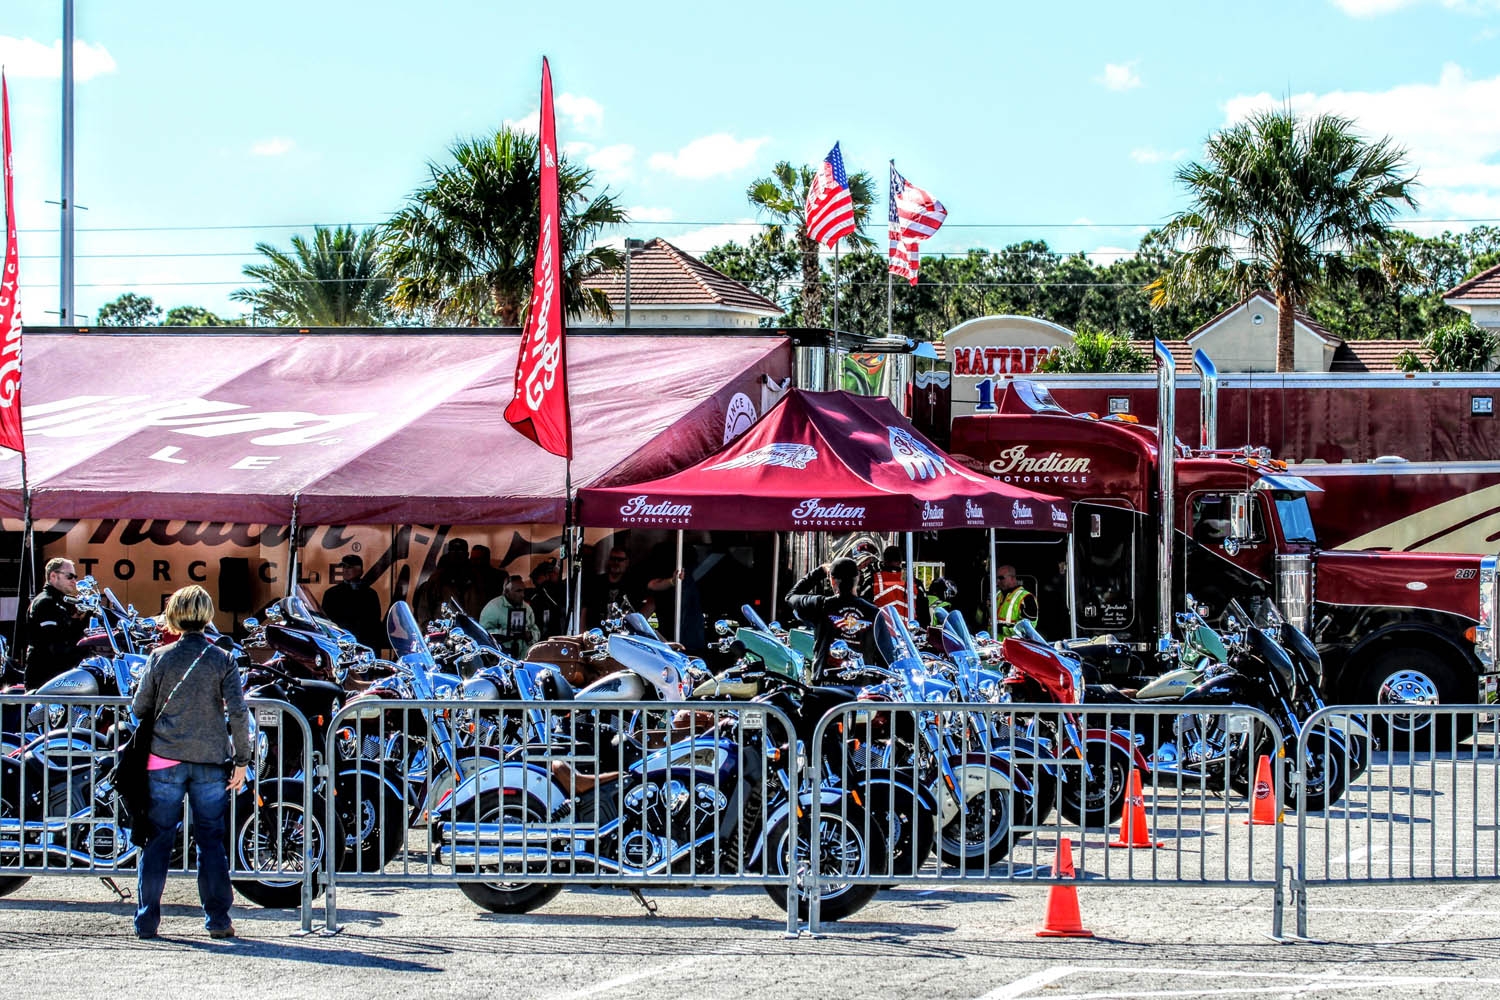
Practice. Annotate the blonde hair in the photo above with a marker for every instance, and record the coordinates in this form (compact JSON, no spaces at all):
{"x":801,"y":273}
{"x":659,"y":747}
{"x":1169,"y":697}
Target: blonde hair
{"x":189,"y":610}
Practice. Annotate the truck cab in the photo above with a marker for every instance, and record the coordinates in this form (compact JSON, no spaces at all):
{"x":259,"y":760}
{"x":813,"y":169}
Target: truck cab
{"x":1392,"y":628}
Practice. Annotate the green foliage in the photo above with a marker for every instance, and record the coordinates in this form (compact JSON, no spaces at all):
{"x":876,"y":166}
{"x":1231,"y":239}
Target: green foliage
{"x":1409,"y":361}
{"x":190,"y":316}
{"x":129,"y":309}
{"x":334,"y":280}
{"x":1459,"y":347}
{"x":463,"y":249}
{"x":1095,"y":351}
{"x":1285,"y":204}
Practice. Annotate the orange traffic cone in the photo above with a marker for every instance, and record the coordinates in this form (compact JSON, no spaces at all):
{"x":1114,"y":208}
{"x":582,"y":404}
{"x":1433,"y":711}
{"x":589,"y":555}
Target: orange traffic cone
{"x":1063,"y":919}
{"x":1264,"y":809}
{"x":1133,"y":829}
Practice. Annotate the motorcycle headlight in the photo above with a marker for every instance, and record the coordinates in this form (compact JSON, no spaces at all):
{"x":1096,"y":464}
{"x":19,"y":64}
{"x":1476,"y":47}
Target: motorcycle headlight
{"x":989,"y":689}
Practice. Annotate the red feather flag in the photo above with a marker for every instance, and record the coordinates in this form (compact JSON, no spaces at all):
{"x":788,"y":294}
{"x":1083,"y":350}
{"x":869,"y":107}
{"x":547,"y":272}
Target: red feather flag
{"x":540,"y":407}
{"x":10,"y":299}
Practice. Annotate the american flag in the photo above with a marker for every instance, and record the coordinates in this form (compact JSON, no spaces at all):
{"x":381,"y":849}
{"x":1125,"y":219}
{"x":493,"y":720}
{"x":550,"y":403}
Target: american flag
{"x":915,"y":215}
{"x":830,"y":209}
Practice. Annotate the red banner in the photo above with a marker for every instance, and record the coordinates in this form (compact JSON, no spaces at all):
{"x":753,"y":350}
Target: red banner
{"x":540,"y":408}
{"x":10,"y":299}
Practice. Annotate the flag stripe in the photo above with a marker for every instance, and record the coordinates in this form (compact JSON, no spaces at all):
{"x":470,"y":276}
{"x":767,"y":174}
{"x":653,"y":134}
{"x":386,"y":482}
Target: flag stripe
{"x":829,"y":212}
{"x":914,"y":216}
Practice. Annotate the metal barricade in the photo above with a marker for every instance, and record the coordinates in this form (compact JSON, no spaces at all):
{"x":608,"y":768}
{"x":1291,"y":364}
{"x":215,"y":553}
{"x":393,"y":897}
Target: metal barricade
{"x":940,"y":793}
{"x":511,"y":801}
{"x":60,"y":814}
{"x":1418,"y":804}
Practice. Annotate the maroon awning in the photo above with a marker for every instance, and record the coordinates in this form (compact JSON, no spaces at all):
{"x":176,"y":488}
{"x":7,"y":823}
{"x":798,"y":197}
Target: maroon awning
{"x":825,"y":460}
{"x":362,"y":428}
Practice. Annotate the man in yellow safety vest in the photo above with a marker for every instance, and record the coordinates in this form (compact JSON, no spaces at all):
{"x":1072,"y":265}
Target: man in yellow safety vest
{"x":1014,"y":602}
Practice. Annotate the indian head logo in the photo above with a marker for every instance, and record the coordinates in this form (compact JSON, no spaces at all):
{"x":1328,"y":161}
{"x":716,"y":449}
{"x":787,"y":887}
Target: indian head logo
{"x":779,"y":455}
{"x":917,"y":459}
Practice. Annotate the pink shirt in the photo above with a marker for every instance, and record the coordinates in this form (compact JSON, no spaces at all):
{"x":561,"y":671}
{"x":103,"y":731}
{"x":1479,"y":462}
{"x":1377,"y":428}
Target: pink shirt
{"x":155,"y":763}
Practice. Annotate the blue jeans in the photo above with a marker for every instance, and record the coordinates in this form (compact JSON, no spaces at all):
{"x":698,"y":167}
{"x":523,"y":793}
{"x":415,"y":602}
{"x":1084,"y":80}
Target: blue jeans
{"x":205,"y":787}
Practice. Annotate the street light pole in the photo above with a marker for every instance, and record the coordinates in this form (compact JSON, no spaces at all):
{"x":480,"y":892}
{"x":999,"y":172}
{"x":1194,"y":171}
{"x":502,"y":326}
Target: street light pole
{"x":65,"y":278}
{"x":631,"y":246}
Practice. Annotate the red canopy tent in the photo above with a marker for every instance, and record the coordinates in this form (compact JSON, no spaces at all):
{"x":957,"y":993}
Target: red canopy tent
{"x":824,"y":460}
{"x":357,"y":427}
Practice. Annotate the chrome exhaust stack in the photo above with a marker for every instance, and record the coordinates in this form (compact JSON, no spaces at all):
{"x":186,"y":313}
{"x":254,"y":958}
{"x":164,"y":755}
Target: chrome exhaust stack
{"x":1208,"y":400}
{"x":1166,"y":467}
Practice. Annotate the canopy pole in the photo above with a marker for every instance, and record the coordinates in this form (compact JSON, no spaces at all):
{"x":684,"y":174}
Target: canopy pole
{"x":775,"y":570}
{"x":911,"y":590}
{"x":994,"y":610}
{"x":677,"y":596}
{"x":572,"y":589}
{"x":291,"y":555}
{"x":17,"y":650}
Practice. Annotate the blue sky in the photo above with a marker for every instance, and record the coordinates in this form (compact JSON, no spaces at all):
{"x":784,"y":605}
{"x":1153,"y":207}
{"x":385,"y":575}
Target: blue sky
{"x":1059,"y":121}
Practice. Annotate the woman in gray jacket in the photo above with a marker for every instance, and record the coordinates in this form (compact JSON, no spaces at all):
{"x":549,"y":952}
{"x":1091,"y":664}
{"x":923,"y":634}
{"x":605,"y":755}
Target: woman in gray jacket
{"x":190,"y":688}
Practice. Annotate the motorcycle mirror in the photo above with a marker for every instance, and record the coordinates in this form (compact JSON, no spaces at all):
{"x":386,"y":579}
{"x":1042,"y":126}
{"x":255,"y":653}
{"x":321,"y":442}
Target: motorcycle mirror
{"x":939,"y":616}
{"x":723,"y":626}
{"x":130,"y":611}
{"x":252,"y":623}
{"x":1232,"y":622}
{"x":981,"y":636}
{"x":595,"y":635}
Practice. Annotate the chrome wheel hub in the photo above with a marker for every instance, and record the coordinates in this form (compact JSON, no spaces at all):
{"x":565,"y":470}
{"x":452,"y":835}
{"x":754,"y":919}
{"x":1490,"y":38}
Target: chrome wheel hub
{"x":1409,"y":687}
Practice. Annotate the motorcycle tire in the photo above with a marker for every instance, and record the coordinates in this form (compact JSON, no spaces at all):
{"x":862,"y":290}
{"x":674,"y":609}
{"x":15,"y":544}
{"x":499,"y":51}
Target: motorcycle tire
{"x":981,"y":836}
{"x":909,"y":824}
{"x":374,"y":819}
{"x":509,"y":897}
{"x":1325,"y":773}
{"x":842,"y":849}
{"x":1103,"y":800}
{"x":9,"y":809}
{"x":278,"y":834}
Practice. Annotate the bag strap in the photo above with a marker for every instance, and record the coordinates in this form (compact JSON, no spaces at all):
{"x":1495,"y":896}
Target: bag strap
{"x":188,"y":673}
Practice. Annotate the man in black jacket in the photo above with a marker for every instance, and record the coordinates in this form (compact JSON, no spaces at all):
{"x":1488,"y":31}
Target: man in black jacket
{"x":54,"y":625}
{"x":820,"y":610}
{"x":353,"y":604}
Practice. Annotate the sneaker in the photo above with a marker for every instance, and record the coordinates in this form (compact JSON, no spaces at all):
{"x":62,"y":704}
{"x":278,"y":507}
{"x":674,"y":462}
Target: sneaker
{"x":145,"y":936}
{"x":220,"y":933}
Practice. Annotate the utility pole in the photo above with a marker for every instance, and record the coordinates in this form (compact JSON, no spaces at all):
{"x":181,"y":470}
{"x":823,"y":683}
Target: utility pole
{"x":65,"y":282}
{"x":631,"y":246}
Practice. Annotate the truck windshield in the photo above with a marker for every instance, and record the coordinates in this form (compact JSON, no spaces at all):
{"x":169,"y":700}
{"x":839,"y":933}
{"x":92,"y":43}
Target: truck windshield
{"x":1296,"y":521}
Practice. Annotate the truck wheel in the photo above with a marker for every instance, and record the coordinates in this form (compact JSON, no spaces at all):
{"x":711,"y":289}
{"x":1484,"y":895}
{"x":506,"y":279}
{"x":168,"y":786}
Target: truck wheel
{"x":1420,"y":678}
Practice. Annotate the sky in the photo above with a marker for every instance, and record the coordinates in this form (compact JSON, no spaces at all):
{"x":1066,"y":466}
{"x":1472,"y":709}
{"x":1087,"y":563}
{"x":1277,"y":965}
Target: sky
{"x":203,"y":129}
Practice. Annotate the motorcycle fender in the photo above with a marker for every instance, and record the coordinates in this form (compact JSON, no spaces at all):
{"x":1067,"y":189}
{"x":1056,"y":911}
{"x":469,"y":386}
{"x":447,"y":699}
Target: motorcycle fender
{"x":367,"y":775}
{"x":828,"y":797}
{"x":877,"y":793}
{"x":1121,"y":742}
{"x":528,"y":779}
{"x":977,"y":774}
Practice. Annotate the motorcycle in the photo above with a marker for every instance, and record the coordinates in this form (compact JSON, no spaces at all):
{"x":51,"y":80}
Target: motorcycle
{"x":715,"y":799}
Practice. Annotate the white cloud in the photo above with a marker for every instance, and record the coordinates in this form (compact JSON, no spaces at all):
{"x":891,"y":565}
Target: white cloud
{"x":1147,"y":154}
{"x":27,"y":58}
{"x":709,"y":156}
{"x":577,"y":114}
{"x":612,"y":161}
{"x":650,"y":213}
{"x":699,"y":241}
{"x":1108,"y":255}
{"x":1449,"y":128}
{"x":276,"y":146}
{"x":1120,"y":76}
{"x":1375,"y":8}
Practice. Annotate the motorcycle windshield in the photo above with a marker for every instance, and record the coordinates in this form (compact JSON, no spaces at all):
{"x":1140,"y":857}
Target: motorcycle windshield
{"x":1296,"y":640}
{"x":1209,"y":641}
{"x":956,"y":637}
{"x":471,"y":628}
{"x":753,"y":619}
{"x":1269,"y":650}
{"x":771,"y":651}
{"x":637,"y":625}
{"x":893,"y":639}
{"x":407,"y":638}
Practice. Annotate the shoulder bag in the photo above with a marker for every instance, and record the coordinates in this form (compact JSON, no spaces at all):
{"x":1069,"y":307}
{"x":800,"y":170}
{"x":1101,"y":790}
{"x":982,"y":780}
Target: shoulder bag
{"x":132,"y":779}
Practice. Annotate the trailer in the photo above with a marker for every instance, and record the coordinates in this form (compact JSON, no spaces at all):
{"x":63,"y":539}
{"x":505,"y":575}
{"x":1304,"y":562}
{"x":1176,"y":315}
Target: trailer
{"x":1155,"y":520}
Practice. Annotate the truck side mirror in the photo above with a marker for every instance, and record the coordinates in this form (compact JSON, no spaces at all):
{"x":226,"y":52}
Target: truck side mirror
{"x":1239,"y":522}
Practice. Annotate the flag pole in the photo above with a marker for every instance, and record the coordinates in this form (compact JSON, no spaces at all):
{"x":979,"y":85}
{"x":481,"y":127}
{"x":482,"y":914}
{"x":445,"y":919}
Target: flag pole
{"x":573,"y":591}
{"x":889,"y":326}
{"x":836,"y":368}
{"x":22,"y":604}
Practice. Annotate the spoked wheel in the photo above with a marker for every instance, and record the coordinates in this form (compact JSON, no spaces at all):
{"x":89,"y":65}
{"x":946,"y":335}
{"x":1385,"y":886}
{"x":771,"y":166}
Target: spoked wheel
{"x":841,"y":848}
{"x":1325,"y":773}
{"x":982,"y":833}
{"x":1095,"y":799}
{"x":506,"y":897}
{"x":10,"y":813}
{"x":373,"y":816}
{"x":280,"y":841}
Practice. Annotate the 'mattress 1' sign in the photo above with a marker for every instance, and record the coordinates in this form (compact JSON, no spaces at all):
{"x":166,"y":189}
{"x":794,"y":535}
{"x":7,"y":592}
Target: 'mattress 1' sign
{"x":987,"y":362}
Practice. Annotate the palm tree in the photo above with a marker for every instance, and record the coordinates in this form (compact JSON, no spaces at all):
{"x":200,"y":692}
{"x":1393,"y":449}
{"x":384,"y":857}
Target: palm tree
{"x":1283,"y":204}
{"x":783,"y":197}
{"x":463,"y":249}
{"x":335,"y":280}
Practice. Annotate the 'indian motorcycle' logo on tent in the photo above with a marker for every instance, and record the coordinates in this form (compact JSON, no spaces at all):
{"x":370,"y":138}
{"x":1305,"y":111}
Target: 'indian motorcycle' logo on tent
{"x":1059,"y":516}
{"x":781,"y":455}
{"x":932,"y":513}
{"x":640,"y":510}
{"x":1013,"y":466}
{"x":812,"y":514}
{"x":1021,"y":513}
{"x":974,"y":513}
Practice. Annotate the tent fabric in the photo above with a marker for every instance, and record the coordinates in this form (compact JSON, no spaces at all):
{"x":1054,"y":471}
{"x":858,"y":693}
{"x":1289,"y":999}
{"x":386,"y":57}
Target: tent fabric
{"x":360,"y":428}
{"x":824,"y":460}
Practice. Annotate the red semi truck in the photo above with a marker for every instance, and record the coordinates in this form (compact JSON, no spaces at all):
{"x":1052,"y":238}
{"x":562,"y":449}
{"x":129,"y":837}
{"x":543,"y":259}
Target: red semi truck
{"x":1392,"y":627}
{"x":1405,"y":463}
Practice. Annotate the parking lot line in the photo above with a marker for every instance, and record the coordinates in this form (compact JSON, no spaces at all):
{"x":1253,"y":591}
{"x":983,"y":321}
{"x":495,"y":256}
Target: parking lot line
{"x":630,"y":978}
{"x":1024,"y":985}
